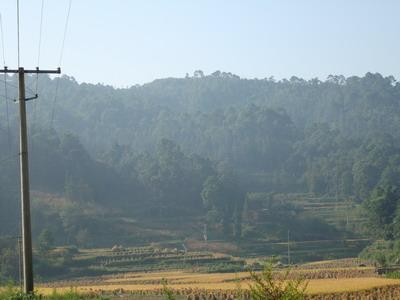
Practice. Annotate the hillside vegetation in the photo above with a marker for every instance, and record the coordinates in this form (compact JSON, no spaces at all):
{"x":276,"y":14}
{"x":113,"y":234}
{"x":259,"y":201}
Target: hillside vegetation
{"x":211,"y":157}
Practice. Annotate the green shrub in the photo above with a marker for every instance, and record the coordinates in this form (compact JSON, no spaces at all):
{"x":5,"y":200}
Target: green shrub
{"x":265,"y":287}
{"x":393,"y":275}
{"x":383,"y":253}
{"x":166,"y":291}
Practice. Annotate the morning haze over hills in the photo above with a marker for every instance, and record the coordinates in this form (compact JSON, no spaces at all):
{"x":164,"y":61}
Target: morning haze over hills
{"x":207,"y":149}
{"x":188,"y":185}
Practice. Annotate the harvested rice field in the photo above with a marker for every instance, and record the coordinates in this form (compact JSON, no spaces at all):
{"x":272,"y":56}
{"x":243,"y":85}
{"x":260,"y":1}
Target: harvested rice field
{"x":324,"y":282}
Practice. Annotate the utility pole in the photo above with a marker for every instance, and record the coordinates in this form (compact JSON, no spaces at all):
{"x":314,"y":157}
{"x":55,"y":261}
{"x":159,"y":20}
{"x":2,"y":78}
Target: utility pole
{"x":27,"y":265}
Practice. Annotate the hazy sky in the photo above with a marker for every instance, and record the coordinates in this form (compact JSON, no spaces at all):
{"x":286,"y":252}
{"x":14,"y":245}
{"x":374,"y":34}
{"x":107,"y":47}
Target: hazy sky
{"x":125,"y":42}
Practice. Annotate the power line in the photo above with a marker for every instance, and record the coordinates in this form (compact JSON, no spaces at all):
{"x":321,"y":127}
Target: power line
{"x":54,"y":102}
{"x":8,"y":83}
{"x":40,"y":32}
{"x":5,"y":85}
{"x":8,"y":158}
{"x":59,"y":63}
{"x":7,"y":98}
{"x":40,"y":43}
{"x":65,"y":33}
{"x":37,"y":65}
{"x":6,"y":95}
{"x":19,"y":62}
{"x":2,"y":40}
{"x":29,"y":89}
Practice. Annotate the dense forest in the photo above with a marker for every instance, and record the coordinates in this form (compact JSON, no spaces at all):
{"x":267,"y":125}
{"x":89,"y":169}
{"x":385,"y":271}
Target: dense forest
{"x":203,"y":147}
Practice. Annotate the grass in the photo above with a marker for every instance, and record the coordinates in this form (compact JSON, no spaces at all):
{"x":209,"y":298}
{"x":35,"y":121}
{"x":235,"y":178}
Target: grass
{"x":12,"y":293}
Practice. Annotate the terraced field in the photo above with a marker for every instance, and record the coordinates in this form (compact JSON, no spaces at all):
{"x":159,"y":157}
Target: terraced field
{"x":303,"y":251}
{"x":216,"y":267}
{"x":203,"y":258}
{"x":92,"y":262}
{"x":341,"y":214}
{"x":343,"y":278}
{"x":337,"y":212}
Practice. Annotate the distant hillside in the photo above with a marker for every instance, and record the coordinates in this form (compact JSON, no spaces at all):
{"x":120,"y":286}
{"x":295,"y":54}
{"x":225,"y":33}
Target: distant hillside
{"x":182,"y":109}
{"x":201,"y":147}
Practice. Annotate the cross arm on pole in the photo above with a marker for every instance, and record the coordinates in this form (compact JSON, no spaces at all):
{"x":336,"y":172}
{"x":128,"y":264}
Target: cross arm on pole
{"x":35,"y":71}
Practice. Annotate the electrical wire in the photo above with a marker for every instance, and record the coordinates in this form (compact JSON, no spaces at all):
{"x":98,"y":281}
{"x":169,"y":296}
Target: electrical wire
{"x":7,"y":98}
{"x":65,"y":33}
{"x":59,"y":63}
{"x":8,"y":158}
{"x":19,"y":62}
{"x":5,"y":85}
{"x":39,"y":44}
{"x":2,"y":39}
{"x":10,"y":237}
{"x":37,"y":74}
{"x":30,"y":92}
{"x":8,"y":83}
{"x":54,"y":101}
{"x":40,"y":41}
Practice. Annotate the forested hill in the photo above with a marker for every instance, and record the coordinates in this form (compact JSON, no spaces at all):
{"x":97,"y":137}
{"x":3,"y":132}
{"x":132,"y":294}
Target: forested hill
{"x":179,"y":146}
{"x":190,"y":110}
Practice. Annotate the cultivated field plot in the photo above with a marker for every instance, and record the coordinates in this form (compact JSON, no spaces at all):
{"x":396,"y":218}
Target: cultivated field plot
{"x":338,"y":279}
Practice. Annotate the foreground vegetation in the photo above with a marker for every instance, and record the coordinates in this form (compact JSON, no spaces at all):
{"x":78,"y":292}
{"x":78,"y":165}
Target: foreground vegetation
{"x":320,"y":280}
{"x":12,"y":293}
{"x":339,"y":277}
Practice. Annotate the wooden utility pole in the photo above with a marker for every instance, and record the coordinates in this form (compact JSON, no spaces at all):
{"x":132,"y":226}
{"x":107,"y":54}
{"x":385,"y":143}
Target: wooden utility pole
{"x":27,"y":265}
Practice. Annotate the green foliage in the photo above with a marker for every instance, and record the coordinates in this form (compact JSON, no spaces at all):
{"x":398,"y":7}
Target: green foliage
{"x":315,"y":136}
{"x":265,"y":286}
{"x":166,"y":291}
{"x":72,"y":294}
{"x":269,"y":216}
{"x":393,"y":275}
{"x":383,"y":211}
{"x":9,"y":260}
{"x":12,"y":293}
{"x":9,"y":292}
{"x":226,"y":268}
{"x":223,"y":197}
{"x":383,"y":253}
{"x":46,"y":240}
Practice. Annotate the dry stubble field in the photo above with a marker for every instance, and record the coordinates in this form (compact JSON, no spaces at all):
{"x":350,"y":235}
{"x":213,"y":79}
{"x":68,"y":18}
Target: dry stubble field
{"x":326,"y":280}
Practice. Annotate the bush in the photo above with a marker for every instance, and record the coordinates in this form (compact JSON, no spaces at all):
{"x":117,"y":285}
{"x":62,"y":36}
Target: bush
{"x":166,"y":291}
{"x":383,"y":253}
{"x":265,"y":287}
{"x":393,"y":275}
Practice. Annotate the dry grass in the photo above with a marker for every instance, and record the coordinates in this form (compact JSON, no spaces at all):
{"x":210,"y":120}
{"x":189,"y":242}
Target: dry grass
{"x":323,"y":286}
{"x":179,"y":280}
{"x":179,"y":277}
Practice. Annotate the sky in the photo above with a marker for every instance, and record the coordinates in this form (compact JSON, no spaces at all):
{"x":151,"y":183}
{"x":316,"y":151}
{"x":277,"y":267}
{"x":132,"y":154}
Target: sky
{"x":128,"y":42}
